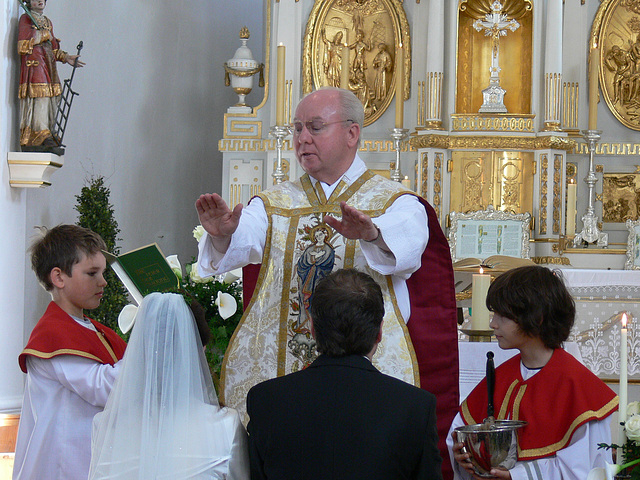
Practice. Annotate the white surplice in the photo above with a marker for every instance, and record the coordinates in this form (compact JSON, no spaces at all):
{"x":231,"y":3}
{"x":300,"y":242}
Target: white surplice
{"x":62,"y":395}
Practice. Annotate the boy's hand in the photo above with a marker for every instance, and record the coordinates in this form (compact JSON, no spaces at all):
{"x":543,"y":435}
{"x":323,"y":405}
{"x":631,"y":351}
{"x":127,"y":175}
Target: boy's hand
{"x":462,"y":457}
{"x":501,"y":473}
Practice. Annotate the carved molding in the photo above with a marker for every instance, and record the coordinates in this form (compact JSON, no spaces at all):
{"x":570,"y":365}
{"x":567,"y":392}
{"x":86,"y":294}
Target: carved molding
{"x":492,"y":142}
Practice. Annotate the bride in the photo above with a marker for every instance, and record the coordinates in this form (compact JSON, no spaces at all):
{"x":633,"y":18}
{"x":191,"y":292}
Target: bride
{"x":162,"y":419}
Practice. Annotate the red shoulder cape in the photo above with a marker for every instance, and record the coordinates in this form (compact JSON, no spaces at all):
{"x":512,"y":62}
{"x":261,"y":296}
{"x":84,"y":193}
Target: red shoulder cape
{"x":556,"y":401}
{"x":433,"y":326}
{"x":56,"y":333}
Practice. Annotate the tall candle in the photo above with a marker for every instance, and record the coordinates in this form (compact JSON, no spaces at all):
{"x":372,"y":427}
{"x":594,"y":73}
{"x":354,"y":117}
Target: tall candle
{"x":622,"y":406}
{"x":571,"y":209}
{"x":344,"y":69}
{"x":399,"y":87}
{"x":594,"y":61}
{"x":479,"y":312}
{"x":280,"y":85}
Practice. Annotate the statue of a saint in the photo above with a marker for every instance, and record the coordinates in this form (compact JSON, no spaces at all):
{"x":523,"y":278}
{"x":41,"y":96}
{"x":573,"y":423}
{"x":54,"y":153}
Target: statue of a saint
{"x":40,"y":89}
{"x":360,"y":47}
{"x":382,"y":63}
{"x":332,"y":58}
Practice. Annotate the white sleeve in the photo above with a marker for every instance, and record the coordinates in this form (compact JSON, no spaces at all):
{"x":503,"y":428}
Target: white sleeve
{"x":574,"y":461}
{"x":405,"y":229}
{"x":90,"y":380}
{"x":247,"y":243}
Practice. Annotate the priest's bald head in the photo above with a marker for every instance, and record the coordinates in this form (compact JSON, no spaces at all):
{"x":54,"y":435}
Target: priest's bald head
{"x":326,"y":132}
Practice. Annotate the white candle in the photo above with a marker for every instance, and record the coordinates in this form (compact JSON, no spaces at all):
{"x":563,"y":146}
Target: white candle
{"x":479,"y":312}
{"x":280,"y":85}
{"x":571,"y":209}
{"x":622,"y":408}
{"x":399,"y":87}
{"x":594,"y":58}
{"x":406,"y":183}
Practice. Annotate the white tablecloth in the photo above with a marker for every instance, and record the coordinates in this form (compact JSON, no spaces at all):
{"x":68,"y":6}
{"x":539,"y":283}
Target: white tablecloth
{"x":582,"y":277}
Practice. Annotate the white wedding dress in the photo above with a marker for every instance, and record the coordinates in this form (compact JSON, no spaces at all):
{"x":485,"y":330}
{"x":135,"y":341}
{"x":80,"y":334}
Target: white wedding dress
{"x":162,"y":419}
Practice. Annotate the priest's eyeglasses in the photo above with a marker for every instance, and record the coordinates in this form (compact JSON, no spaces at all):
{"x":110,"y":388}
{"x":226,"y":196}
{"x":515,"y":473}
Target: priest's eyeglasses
{"x":314,"y":127}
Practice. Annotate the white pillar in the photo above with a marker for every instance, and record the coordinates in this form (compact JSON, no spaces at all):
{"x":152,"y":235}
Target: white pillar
{"x":12,"y":220}
{"x":553,"y":66}
{"x":435,"y":65}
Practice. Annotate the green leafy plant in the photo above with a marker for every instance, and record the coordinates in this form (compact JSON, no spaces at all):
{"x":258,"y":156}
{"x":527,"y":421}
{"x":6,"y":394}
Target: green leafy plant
{"x":206,"y":293}
{"x":630,"y":449}
{"x":96,"y":213}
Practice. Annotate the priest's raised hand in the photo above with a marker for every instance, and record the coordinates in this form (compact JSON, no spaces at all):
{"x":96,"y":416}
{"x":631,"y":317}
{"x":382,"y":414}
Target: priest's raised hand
{"x":218,"y":219}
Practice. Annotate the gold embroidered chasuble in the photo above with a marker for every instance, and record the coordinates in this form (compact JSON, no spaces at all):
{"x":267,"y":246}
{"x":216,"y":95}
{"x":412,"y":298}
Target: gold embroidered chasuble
{"x":274,"y":335}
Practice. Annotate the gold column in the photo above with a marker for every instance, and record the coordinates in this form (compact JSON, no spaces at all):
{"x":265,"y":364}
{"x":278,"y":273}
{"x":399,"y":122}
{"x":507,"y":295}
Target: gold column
{"x":433,"y":101}
{"x":552,"y":102}
{"x":570,"y":92}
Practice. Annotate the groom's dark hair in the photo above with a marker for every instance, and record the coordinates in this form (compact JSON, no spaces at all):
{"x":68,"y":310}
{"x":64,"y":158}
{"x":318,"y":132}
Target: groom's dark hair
{"x":347,"y":310}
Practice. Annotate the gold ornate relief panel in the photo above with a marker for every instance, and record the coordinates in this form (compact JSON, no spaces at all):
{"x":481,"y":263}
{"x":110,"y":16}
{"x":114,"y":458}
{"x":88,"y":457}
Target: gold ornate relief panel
{"x":620,"y":197}
{"x":474,"y":56}
{"x":617,"y":31}
{"x":372,"y":30}
{"x":503,"y":179}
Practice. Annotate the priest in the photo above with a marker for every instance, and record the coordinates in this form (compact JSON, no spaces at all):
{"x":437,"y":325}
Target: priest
{"x":338,"y":214}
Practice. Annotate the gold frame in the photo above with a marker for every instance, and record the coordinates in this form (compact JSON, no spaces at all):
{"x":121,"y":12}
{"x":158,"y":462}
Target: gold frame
{"x":614,"y":24}
{"x":332,"y":16}
{"x":618,"y":189}
{"x":473,"y":57}
{"x":633,"y":245}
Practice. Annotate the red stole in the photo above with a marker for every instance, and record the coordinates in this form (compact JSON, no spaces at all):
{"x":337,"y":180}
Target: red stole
{"x":433,"y":326}
{"x":58,"y":334}
{"x":556,"y":401}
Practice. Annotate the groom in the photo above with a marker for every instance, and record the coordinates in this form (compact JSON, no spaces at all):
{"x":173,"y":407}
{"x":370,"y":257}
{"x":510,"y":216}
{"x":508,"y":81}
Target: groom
{"x":357,"y":423}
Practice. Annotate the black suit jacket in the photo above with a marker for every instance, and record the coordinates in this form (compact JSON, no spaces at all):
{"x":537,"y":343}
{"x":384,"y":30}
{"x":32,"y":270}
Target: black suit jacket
{"x":342,"y":419}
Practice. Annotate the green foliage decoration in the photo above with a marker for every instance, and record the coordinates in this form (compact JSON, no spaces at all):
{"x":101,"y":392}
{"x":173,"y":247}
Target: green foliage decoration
{"x":95,"y":212}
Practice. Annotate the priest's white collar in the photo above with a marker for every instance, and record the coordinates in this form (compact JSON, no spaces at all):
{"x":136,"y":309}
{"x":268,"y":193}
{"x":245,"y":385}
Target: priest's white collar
{"x":354,"y":172}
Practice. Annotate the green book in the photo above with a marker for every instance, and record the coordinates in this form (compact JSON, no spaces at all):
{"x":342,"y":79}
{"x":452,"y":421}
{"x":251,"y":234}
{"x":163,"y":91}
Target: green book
{"x":143,"y":271}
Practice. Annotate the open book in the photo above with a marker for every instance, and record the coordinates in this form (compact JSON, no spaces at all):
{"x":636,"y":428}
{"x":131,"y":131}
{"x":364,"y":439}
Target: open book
{"x":143,"y":271}
{"x":496,"y":263}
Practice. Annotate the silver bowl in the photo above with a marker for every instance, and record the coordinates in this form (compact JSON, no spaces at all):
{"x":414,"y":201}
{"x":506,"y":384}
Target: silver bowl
{"x":491,"y":446}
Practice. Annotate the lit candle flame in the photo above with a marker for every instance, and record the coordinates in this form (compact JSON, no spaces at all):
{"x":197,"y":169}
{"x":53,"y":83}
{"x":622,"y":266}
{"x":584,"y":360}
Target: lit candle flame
{"x":624,"y":320}
{"x":481,"y":271}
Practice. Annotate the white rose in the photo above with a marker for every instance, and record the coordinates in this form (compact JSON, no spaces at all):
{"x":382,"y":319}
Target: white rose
{"x":174,"y":263}
{"x":198,"y":232}
{"x":633,"y":409}
{"x":632,"y":428}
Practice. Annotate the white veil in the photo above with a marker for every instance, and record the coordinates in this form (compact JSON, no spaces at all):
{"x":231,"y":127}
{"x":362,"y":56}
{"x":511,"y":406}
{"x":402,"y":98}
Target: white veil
{"x":162,"y":418}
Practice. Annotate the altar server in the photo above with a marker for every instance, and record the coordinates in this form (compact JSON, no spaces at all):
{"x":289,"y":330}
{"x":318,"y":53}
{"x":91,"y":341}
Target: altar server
{"x":568,"y":408}
{"x":71,"y":361}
